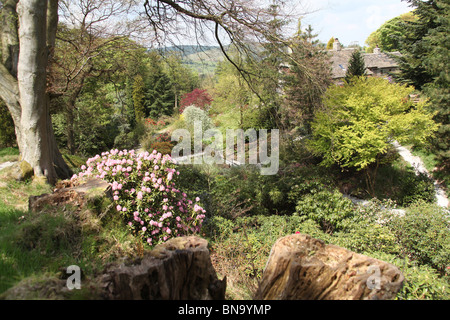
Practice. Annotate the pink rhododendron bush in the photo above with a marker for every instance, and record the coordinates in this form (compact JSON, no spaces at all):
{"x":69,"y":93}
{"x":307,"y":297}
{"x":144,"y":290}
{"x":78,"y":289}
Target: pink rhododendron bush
{"x":145,"y":194}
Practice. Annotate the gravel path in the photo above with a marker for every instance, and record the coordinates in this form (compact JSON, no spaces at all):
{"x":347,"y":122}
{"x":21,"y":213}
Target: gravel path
{"x":419,"y":167}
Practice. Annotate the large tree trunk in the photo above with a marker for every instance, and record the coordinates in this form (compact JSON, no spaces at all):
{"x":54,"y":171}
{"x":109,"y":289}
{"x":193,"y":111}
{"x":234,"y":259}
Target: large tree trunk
{"x":26,"y":96}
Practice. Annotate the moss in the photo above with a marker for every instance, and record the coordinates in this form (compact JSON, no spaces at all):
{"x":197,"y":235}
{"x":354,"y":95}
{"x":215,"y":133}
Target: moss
{"x":26,"y":170}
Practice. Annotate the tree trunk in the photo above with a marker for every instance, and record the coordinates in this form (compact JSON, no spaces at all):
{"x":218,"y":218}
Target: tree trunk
{"x":26,"y":96}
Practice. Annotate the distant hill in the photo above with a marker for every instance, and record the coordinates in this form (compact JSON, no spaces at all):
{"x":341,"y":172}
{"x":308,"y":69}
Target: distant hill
{"x":203,"y":59}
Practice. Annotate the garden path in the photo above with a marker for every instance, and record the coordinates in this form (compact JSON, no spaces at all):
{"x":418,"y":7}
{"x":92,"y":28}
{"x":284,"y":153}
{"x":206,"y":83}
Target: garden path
{"x":419,"y":167}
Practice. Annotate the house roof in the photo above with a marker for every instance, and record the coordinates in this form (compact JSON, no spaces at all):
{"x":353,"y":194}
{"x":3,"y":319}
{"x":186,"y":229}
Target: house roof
{"x":340,"y":60}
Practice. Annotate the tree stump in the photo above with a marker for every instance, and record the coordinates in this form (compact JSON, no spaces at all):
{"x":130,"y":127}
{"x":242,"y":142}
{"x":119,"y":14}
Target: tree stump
{"x":303,"y":268}
{"x":179,"y":269}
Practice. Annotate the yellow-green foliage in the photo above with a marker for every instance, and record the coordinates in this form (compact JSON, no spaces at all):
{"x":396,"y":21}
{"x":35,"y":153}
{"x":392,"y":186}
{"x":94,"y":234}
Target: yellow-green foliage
{"x":361,"y":119}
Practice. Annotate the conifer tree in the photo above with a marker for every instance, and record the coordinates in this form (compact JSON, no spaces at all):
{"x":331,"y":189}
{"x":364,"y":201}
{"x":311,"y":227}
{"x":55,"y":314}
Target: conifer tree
{"x":138,"y":98}
{"x":425,"y":65}
{"x":356,"y":66}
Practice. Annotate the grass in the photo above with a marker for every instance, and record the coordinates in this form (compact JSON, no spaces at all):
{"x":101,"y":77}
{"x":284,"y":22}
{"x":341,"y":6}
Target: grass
{"x":9,"y":154}
{"x":39,"y":245}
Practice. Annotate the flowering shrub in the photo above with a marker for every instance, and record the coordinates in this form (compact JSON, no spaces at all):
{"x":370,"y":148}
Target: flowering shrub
{"x":152,"y":123}
{"x":145,"y":194}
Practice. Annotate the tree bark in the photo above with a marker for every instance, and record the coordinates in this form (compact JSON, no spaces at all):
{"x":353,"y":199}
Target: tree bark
{"x":26,"y":95}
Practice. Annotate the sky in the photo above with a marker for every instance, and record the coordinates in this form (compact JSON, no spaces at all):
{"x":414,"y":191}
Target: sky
{"x":349,"y":20}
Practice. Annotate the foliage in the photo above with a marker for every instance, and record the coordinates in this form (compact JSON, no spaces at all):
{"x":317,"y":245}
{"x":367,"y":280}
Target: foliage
{"x":139,"y":97}
{"x":425,"y":65}
{"x":193,"y":114}
{"x":361,"y":119}
{"x":145,"y":194}
{"x":7,"y":132}
{"x":356,"y":66}
{"x":390,"y":34}
{"x":330,"y":43}
{"x":159,"y":99}
{"x":182,"y":78}
{"x":328,"y":209}
{"x":307,"y":80}
{"x":198,"y":98}
{"x":422,"y":282}
{"x":423,"y":235}
{"x":234,"y":102}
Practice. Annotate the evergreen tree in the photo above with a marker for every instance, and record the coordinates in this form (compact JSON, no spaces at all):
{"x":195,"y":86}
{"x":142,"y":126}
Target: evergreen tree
{"x":425,"y":64}
{"x":138,"y":98}
{"x":160,"y":96}
{"x":356,"y":66}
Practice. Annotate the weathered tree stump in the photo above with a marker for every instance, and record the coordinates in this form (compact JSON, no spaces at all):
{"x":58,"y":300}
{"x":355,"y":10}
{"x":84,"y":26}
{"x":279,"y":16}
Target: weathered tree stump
{"x":303,"y":268}
{"x":179,"y":269}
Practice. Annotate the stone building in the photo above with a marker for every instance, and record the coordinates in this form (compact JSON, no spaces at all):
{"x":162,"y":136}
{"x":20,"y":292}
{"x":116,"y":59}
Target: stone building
{"x":378,"y":64}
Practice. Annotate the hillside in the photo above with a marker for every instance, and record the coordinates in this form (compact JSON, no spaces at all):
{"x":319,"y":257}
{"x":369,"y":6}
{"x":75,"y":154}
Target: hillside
{"x":203,"y":59}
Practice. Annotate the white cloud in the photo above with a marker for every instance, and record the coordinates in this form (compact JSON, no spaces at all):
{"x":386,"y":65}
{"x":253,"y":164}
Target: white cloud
{"x":351,"y":20}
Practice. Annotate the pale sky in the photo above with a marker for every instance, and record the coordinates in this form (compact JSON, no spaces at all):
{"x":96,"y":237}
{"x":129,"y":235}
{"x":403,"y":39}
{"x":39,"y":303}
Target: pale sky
{"x":350,"y":20}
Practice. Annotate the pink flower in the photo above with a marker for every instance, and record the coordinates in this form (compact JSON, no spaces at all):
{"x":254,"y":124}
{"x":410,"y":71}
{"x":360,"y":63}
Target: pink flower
{"x":119,"y":207}
{"x":139,"y":195}
{"x":197,"y":199}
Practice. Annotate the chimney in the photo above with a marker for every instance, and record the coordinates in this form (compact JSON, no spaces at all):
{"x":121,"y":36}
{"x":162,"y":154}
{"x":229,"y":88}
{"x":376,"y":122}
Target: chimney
{"x":377,"y":50}
{"x":337,"y":45}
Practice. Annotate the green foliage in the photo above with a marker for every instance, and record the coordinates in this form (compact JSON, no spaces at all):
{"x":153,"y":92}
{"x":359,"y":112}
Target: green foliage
{"x":306,"y":83}
{"x":390,"y":34}
{"x":422,"y":282}
{"x":192,"y":114}
{"x":329,"y":209}
{"x":423,"y":235}
{"x":138,"y":98}
{"x":425,"y":64}
{"x":356,"y":66}
{"x":159,"y":96}
{"x":360,"y":120}
{"x":7,"y":132}
{"x":330,"y":43}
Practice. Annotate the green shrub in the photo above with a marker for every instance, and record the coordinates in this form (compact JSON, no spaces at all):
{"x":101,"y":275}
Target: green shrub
{"x":367,"y":237}
{"x":424,"y":235}
{"x":193,"y":114}
{"x":329,"y":209}
{"x":421,"y":282}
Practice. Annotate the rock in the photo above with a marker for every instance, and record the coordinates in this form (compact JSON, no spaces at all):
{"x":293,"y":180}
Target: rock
{"x":303,"y":268}
{"x":179,"y":269}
